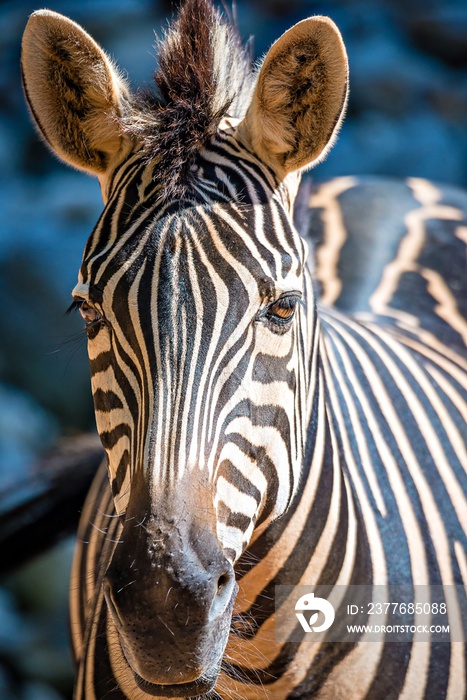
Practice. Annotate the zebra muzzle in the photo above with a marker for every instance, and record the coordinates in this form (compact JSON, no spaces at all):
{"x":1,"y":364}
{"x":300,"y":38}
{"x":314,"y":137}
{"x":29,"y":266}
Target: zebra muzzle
{"x":170,"y":594}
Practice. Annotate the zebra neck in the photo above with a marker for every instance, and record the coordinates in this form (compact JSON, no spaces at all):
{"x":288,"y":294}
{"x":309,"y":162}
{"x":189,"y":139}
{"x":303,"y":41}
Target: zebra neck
{"x":321,"y":539}
{"x":334,"y":527}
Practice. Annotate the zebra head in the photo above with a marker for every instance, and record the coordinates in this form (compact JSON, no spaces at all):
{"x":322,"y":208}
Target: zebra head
{"x":198,"y":313}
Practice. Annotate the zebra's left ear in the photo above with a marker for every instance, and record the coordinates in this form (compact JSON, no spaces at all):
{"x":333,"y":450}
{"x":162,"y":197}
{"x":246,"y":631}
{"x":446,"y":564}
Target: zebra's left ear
{"x":300,"y":97}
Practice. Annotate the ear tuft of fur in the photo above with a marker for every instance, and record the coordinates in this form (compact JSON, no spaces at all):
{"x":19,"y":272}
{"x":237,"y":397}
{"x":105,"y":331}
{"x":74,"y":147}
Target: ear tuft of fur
{"x":204,"y":73}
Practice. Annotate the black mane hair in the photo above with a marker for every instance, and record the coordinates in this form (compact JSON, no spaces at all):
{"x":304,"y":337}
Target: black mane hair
{"x":204,"y":72}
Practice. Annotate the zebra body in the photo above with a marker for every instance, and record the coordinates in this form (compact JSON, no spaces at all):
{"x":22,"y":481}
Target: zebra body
{"x":270,"y":417}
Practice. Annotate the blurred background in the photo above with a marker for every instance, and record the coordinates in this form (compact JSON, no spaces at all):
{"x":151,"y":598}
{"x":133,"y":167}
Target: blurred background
{"x":407,"y":117}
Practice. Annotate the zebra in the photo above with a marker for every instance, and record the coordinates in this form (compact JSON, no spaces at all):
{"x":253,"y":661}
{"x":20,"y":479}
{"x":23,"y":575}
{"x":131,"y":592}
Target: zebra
{"x":281,"y":395}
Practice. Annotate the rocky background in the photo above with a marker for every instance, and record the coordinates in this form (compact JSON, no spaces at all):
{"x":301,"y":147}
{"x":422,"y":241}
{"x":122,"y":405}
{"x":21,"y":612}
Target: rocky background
{"x":407,"y":117}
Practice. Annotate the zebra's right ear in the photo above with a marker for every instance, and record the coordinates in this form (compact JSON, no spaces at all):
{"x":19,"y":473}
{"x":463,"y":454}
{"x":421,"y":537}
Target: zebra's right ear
{"x":75,"y":94}
{"x":300,"y":97}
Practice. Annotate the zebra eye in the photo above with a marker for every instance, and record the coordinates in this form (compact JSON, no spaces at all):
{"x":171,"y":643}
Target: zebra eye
{"x":282,"y":311}
{"x":91,"y":316}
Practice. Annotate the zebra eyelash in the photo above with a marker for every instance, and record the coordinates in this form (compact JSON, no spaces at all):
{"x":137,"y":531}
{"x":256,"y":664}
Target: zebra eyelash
{"x":74,"y":306}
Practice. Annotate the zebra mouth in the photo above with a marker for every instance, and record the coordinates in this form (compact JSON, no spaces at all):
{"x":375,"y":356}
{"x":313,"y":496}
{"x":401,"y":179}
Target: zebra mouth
{"x":180,"y":690}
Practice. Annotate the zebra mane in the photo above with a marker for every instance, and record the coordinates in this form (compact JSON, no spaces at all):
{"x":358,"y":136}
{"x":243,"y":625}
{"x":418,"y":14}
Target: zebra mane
{"x":204,"y":72}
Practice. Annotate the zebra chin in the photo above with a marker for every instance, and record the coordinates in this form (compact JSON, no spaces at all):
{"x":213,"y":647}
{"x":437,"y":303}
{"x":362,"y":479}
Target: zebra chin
{"x":202,"y":685}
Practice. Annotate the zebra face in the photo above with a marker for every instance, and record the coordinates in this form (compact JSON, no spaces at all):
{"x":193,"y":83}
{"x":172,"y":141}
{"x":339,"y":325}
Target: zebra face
{"x":195,"y":345}
{"x":196,"y":307}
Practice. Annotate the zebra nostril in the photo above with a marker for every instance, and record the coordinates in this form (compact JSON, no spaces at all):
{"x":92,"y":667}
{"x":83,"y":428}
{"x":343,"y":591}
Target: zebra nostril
{"x":221,"y":582}
{"x":223,"y":596}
